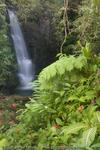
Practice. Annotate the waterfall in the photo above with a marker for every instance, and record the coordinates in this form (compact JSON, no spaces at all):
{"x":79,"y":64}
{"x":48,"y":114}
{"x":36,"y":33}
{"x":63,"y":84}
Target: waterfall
{"x":25,"y":66}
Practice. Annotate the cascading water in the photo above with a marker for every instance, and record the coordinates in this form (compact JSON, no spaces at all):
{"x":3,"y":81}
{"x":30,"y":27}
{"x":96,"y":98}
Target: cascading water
{"x":25,"y":66}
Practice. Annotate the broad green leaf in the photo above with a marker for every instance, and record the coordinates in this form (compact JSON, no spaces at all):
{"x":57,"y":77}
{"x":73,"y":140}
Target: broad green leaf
{"x":98,"y":116}
{"x":62,"y":93}
{"x":96,"y":2}
{"x":59,"y":121}
{"x":73,"y":129}
{"x":3,"y":143}
{"x":98,"y":101}
{"x":97,"y":145}
{"x":88,"y":137}
{"x":73,"y":97}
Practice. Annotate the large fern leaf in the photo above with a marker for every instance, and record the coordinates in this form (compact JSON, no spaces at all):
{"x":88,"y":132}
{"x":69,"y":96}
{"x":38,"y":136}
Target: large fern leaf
{"x":61,"y":66}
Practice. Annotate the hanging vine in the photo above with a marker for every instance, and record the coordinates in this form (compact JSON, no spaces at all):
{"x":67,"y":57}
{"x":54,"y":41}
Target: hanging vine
{"x":66,"y":23}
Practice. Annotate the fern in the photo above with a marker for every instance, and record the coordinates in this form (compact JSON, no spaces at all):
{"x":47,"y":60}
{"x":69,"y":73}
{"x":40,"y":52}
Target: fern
{"x":61,"y":67}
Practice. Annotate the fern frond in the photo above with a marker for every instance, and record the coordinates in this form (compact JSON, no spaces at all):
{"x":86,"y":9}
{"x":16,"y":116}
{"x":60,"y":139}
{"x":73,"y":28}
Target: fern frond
{"x":60,"y":67}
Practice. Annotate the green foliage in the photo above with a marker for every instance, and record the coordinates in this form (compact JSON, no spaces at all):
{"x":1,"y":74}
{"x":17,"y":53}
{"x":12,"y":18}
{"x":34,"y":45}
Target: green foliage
{"x":88,"y":137}
{"x":26,"y":8}
{"x":9,"y":106}
{"x":59,"y":68}
{"x":88,"y":23}
{"x":6,"y":55}
{"x":63,"y":111}
{"x":2,"y":143}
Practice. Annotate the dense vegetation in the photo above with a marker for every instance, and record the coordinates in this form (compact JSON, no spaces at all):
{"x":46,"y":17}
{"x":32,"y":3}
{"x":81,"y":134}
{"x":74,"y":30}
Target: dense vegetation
{"x":7,"y":70}
{"x":64,"y":111}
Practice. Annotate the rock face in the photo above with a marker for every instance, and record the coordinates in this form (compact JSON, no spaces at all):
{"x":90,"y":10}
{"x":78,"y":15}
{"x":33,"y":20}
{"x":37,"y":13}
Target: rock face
{"x":41,"y":40}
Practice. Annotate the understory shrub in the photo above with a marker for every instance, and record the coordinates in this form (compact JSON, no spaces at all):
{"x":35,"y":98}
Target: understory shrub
{"x":87,"y":24}
{"x":64,"y":112}
{"x":7,"y":58}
